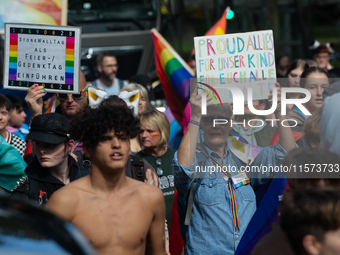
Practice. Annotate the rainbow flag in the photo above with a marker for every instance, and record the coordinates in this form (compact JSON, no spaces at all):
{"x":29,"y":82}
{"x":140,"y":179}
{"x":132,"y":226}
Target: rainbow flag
{"x":220,"y":26}
{"x":176,"y":242}
{"x":174,"y":125}
{"x":174,"y":74}
{"x":52,"y":104}
{"x":267,"y":212}
{"x":275,"y":139}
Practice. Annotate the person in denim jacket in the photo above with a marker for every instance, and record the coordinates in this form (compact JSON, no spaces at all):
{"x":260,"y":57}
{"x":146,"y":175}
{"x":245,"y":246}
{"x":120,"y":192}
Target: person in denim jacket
{"x":221,"y":208}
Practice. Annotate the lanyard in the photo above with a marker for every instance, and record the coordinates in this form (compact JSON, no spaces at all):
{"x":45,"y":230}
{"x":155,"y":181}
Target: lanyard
{"x":232,"y":192}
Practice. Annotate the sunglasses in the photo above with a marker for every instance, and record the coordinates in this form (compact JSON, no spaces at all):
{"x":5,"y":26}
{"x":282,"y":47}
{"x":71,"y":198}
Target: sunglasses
{"x":159,"y":169}
{"x":76,"y":97}
{"x":209,"y":120}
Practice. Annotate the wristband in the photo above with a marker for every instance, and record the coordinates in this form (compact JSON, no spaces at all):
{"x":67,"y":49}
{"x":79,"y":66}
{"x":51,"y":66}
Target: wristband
{"x":195,"y":122}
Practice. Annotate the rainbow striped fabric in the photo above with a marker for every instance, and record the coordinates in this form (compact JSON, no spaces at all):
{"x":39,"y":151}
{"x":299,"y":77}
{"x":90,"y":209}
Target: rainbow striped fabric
{"x":174,"y":74}
{"x":13,"y":54}
{"x":69,"y":60}
{"x":220,"y":26}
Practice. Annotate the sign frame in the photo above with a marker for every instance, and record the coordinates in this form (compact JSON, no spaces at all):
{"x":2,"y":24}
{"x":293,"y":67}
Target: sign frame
{"x":42,"y":37}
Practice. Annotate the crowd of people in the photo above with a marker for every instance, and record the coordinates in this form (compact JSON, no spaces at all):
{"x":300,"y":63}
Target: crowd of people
{"x":107,"y":167}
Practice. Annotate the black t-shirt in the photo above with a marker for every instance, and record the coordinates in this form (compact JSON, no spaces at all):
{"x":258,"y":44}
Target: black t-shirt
{"x":166,"y":181}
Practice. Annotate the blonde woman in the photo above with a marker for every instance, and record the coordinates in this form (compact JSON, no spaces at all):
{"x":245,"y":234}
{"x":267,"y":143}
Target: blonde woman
{"x":153,"y":138}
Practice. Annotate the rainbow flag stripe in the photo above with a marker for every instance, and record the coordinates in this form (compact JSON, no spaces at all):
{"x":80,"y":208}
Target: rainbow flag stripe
{"x":13,"y":54}
{"x":240,"y":184}
{"x":69,"y":60}
{"x":174,"y":74}
{"x":220,"y":26}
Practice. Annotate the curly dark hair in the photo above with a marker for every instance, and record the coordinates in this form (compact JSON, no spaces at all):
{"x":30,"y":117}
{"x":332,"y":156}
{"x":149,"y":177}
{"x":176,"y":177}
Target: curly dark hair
{"x":91,"y":125}
{"x":114,"y":100}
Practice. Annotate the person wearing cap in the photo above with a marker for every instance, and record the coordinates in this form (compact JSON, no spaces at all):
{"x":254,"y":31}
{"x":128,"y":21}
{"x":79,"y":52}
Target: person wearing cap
{"x":52,"y":166}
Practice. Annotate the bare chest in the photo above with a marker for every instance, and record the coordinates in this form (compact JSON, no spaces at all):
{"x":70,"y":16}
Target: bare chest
{"x":116,"y":223}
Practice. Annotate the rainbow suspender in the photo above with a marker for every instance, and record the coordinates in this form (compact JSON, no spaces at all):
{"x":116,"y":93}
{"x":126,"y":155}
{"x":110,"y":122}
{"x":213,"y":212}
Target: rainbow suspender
{"x":232,"y":192}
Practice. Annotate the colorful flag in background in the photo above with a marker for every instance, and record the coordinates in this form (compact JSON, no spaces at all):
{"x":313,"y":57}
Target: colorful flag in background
{"x":176,"y":242}
{"x":220,"y":26}
{"x":174,"y":74}
{"x":267,"y":212}
{"x":174,"y":125}
{"x":275,"y":139}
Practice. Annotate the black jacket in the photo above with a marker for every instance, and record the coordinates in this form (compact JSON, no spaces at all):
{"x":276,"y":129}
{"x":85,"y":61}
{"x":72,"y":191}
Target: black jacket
{"x":40,"y":184}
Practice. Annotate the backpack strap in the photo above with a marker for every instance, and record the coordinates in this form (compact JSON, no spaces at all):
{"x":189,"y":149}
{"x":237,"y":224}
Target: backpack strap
{"x":83,"y":160}
{"x":137,"y":168}
{"x":190,"y":202}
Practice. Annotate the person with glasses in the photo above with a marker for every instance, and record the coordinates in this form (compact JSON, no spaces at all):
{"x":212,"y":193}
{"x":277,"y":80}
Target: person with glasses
{"x":107,"y":66}
{"x":153,"y":138}
{"x":215,"y":211}
{"x":70,"y":105}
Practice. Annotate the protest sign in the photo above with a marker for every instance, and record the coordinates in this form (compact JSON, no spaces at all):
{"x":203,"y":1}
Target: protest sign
{"x":46,"y":55}
{"x":242,"y":60}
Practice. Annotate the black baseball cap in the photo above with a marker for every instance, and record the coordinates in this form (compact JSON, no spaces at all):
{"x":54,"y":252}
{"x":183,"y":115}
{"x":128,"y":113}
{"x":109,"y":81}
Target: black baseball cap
{"x":49,"y":128}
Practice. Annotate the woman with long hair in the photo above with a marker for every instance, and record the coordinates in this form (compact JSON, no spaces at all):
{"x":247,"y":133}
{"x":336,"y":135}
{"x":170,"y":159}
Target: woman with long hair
{"x":292,"y":78}
{"x":314,"y":79}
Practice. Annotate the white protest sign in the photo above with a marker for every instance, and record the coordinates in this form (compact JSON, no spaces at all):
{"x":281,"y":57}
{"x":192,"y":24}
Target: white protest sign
{"x":47,"y":55}
{"x":242,"y":60}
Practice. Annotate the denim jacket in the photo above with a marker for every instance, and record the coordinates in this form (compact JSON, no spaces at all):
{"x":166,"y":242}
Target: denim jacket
{"x":211,"y":229}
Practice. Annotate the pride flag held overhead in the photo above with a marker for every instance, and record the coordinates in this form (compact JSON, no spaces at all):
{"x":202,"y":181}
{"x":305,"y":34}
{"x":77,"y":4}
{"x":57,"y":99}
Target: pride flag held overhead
{"x":174,"y":74}
{"x":220,"y":26}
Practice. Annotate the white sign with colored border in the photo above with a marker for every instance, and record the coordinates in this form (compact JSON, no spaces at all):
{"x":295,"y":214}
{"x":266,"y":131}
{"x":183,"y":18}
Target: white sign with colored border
{"x":46,"y":55}
{"x":242,"y":60}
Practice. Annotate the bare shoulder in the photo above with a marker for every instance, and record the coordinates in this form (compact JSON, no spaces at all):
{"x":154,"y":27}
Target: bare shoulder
{"x":146,"y":192}
{"x":64,"y":201}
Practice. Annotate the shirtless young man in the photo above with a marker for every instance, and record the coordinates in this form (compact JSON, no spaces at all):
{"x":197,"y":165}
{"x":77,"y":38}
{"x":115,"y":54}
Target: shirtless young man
{"x":118,"y":215}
